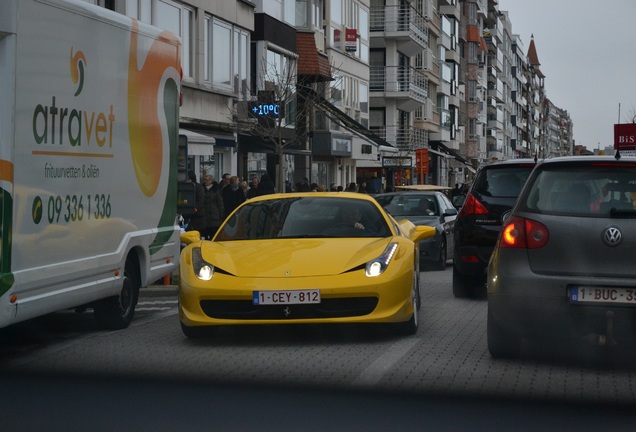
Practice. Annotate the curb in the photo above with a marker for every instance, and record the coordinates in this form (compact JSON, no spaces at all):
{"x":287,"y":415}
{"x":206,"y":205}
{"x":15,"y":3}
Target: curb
{"x":158,"y":291}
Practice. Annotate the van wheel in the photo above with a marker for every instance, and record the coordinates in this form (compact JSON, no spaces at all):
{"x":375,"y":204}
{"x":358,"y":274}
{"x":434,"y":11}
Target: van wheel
{"x":462,"y":286}
{"x":115,"y":313}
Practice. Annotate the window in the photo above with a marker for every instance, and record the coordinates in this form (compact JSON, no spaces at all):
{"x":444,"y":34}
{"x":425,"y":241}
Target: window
{"x":171,"y":16}
{"x":364,"y":97}
{"x":336,"y":11}
{"x":226,"y":56}
{"x":363,"y":24}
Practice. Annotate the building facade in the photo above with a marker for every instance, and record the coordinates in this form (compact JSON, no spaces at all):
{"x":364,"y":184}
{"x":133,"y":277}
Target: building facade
{"x":386,"y":92}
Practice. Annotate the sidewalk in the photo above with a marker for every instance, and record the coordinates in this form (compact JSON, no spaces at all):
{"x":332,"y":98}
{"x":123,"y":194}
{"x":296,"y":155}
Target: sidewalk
{"x":158,"y":291}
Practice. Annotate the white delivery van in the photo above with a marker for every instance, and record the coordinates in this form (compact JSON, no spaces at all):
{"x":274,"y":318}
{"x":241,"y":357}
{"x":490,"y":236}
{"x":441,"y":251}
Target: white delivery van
{"x":89,"y":104}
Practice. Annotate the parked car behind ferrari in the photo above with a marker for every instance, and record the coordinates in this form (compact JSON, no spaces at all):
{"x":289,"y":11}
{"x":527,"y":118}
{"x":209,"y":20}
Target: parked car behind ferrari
{"x":430,"y":208}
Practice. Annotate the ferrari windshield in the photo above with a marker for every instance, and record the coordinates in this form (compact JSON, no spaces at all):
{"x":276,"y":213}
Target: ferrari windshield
{"x":305,"y":217}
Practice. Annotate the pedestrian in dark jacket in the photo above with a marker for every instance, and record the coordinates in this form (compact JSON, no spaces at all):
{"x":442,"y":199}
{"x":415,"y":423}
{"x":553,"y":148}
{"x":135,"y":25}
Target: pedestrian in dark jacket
{"x":213,"y":207}
{"x":197,"y":220}
{"x":266,"y":185}
{"x":253,"y":190}
{"x":304,"y":185}
{"x":232,"y":195}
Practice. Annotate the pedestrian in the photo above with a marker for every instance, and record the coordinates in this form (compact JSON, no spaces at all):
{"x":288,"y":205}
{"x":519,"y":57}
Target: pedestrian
{"x":213,"y":207}
{"x":362,"y":188}
{"x":197,"y":219}
{"x":253,"y":190}
{"x":266,"y":185}
{"x":333,"y":187}
{"x":304,"y":185}
{"x":351,"y":187}
{"x":225,"y":180}
{"x":457,"y":191}
{"x":232,"y":195}
{"x":244,"y":187}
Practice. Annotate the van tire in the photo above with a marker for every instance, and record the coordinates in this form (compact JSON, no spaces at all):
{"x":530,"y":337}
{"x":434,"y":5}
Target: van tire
{"x":116,"y":313}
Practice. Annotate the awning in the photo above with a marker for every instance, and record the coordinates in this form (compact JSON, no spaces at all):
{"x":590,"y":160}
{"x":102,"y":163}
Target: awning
{"x":199,"y":144}
{"x":451,"y":152}
{"x":196,"y":137}
{"x":444,"y":155}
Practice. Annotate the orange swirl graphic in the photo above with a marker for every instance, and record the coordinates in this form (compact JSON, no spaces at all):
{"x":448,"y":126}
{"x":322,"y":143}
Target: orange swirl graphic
{"x":144,"y":88}
{"x":77,"y":69}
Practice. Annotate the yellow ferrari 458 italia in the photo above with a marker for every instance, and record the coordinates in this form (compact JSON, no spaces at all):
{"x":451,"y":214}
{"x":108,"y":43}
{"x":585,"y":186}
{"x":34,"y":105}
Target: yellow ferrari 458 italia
{"x":301,"y":258}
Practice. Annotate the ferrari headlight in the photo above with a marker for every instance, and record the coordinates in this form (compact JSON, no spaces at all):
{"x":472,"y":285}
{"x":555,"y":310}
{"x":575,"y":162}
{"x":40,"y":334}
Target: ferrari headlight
{"x":377,"y":266}
{"x":201,"y":268}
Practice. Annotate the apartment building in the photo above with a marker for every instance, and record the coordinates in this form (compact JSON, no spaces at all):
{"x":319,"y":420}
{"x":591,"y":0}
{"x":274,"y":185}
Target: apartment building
{"x":475,"y":52}
{"x":399,"y":33}
{"x":557,"y":131}
{"x":391,"y":91}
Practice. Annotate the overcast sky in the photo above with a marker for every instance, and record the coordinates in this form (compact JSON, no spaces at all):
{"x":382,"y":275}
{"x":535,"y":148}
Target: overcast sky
{"x":587,"y":51}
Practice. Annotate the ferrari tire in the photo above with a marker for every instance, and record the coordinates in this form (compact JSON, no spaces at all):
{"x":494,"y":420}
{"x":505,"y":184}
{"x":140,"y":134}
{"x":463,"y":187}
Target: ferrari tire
{"x":462,"y":286}
{"x":410,"y":327}
{"x":116,"y":313}
{"x":501,"y":343}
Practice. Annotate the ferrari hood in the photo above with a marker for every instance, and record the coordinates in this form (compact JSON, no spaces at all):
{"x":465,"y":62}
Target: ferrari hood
{"x":292,"y":257}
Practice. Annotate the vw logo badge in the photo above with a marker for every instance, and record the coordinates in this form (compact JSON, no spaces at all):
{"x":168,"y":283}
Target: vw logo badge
{"x":612,"y":236}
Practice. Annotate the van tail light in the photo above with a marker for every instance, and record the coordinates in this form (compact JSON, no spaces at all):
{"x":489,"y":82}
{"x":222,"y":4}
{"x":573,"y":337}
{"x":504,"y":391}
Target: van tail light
{"x":523,"y":233}
{"x":472,"y":206}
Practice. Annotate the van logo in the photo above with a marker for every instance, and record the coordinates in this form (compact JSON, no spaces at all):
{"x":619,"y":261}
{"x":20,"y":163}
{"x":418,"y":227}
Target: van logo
{"x":78,"y":61}
{"x":612,"y":236}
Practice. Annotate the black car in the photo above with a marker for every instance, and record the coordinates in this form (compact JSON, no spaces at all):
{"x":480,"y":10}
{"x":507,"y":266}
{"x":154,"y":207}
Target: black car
{"x":492,"y":194}
{"x":431,"y":208}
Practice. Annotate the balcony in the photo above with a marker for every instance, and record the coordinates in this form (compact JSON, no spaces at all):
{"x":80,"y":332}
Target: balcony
{"x":429,"y":66}
{"x":401,"y":23}
{"x":405,"y":84}
{"x":406,"y":138}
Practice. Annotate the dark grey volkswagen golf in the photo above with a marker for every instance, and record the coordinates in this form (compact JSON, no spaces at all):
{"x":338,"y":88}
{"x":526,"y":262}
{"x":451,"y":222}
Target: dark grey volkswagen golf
{"x":564,"y":262}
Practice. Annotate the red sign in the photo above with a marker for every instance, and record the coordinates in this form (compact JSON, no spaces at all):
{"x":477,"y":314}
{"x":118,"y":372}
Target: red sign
{"x":421,"y":163}
{"x":625,"y":136}
{"x":351,"y":39}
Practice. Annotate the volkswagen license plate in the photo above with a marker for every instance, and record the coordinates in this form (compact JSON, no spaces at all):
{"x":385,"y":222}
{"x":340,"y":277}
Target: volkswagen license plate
{"x":592,"y":294}
{"x":286,"y":297}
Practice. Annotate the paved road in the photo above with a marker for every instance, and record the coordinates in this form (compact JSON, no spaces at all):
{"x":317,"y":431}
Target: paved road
{"x":448,"y":356}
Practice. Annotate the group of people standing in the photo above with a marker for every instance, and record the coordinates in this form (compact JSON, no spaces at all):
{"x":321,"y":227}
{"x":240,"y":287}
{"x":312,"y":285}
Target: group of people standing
{"x":214,"y":201}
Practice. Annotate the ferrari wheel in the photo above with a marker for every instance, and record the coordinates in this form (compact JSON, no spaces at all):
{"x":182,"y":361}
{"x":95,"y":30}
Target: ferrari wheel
{"x":410,"y":327}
